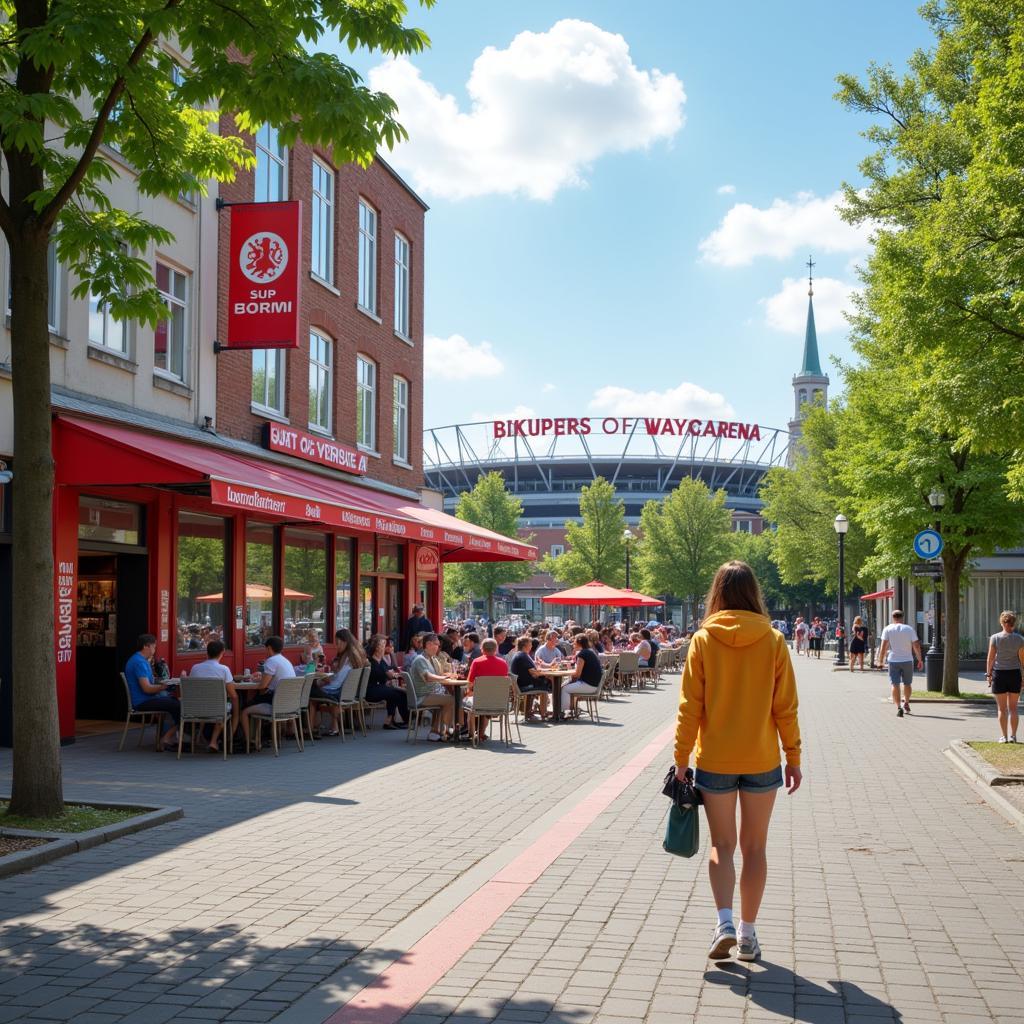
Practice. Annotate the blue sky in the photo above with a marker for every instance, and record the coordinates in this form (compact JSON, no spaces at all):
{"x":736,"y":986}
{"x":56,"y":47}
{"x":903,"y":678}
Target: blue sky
{"x":596,"y":243}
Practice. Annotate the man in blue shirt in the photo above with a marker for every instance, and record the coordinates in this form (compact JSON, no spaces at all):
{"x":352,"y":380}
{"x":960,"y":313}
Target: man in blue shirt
{"x":147,"y":694}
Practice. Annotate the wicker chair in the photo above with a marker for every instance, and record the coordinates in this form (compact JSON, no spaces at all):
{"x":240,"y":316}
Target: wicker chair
{"x":610,"y":662}
{"x":287,"y":699}
{"x":345,"y":699}
{"x":370,"y":705}
{"x":304,"y":720}
{"x":156,"y":718}
{"x":204,"y":701}
{"x":416,"y":710}
{"x":492,"y":699}
{"x":629,"y":669}
{"x":591,"y":699}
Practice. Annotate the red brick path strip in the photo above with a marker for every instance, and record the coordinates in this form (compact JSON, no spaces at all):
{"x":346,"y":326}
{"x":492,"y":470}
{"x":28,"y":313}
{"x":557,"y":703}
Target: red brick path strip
{"x":401,"y":986}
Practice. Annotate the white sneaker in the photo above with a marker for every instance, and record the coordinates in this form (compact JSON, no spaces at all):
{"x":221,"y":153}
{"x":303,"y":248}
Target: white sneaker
{"x":1003,"y":739}
{"x":749,"y":948}
{"x":722,"y":941}
{"x":434,"y":737}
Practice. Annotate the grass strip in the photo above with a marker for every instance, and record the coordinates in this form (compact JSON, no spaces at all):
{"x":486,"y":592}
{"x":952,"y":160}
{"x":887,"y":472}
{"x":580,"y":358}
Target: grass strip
{"x":1006,"y":758}
{"x":934,"y":695}
{"x":76,"y":818}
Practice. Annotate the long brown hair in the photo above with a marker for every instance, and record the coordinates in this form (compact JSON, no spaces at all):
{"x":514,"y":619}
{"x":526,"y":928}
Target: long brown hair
{"x":353,"y":651}
{"x":735,"y":588}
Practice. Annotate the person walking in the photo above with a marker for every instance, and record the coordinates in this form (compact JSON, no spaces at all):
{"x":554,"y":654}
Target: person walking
{"x":800,"y":635}
{"x":738,"y":701}
{"x":858,"y":643}
{"x":817,"y":636}
{"x":903,"y":648}
{"x":1003,"y":671}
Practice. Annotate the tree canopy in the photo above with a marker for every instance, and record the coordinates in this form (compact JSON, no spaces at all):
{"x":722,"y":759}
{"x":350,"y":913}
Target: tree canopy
{"x":595,"y":549}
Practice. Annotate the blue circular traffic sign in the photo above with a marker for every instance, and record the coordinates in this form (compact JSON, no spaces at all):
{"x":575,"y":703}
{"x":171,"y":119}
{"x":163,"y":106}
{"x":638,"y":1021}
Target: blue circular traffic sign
{"x":928,"y":544}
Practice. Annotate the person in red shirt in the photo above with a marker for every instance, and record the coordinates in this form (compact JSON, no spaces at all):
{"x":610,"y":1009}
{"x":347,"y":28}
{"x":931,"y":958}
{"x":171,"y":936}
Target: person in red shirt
{"x":488,"y":664}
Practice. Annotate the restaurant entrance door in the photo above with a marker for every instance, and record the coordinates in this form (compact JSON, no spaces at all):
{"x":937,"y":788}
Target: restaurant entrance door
{"x":112,"y":612}
{"x":393,"y":610}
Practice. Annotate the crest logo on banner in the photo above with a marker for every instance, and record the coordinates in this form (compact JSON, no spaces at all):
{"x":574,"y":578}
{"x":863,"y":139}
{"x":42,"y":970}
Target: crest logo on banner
{"x":263,"y":275}
{"x":263,"y":257}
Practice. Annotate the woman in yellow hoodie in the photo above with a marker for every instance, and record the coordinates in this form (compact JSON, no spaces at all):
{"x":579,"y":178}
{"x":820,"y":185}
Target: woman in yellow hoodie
{"x":738,"y":701}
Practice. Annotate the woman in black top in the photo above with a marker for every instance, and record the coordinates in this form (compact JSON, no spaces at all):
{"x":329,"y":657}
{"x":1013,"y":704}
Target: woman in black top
{"x":587,"y":676}
{"x":858,"y":643}
{"x":380,"y":685}
{"x":529,"y":679}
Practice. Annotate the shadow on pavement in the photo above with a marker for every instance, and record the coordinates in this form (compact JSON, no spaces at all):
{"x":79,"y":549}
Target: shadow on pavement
{"x":207,"y":972}
{"x":777,"y":989}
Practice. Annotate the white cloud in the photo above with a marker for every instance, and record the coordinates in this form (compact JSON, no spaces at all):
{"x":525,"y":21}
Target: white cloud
{"x":687,"y":399}
{"x":541,"y":112}
{"x":547,"y":387}
{"x":725,"y":190}
{"x":781,"y":229}
{"x":786,"y":310}
{"x":455,"y":358}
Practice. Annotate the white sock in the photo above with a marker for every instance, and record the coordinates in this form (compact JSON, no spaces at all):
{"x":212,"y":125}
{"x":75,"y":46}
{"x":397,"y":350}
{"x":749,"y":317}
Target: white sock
{"x":725,"y":916}
{"x":745,"y":931}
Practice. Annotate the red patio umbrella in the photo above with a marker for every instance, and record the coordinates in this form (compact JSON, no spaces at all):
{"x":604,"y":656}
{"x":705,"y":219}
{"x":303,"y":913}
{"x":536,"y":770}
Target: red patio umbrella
{"x":596,"y":592}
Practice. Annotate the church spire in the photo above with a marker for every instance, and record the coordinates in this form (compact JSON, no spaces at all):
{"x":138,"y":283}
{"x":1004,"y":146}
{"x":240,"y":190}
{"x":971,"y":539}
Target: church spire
{"x":811,"y":366}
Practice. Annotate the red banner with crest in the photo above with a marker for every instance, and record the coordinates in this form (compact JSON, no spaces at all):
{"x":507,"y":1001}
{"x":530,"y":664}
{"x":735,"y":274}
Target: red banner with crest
{"x":265,"y":255}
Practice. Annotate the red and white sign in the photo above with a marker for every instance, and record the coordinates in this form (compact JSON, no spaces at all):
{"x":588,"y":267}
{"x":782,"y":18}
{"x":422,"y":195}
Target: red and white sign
{"x":427,"y":561}
{"x":290,"y":506}
{"x":279,"y":438}
{"x":583,"y":426}
{"x":265,"y":255}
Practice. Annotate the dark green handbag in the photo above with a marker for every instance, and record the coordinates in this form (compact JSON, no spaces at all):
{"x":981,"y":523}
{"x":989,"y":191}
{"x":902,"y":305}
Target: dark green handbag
{"x":682,"y":833}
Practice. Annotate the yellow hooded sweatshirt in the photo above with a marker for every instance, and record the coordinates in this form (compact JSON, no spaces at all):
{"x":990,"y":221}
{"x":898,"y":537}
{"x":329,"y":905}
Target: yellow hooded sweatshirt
{"x":738,"y":697}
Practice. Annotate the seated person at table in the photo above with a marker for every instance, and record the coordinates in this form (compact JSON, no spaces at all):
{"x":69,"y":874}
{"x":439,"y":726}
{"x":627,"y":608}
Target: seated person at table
{"x":383,"y":684}
{"x":212,"y":668}
{"x":587,"y":676}
{"x":452,"y":645}
{"x":348,"y":655}
{"x":275,"y":668}
{"x":488,"y":664}
{"x":530,"y":680}
{"x":645,"y":634}
{"x":313,"y":650}
{"x":549,"y":652}
{"x":641,"y":647}
{"x":427,"y":679}
{"x":506,"y":645}
{"x":148,"y":695}
{"x":471,"y":649}
{"x":389,"y":654}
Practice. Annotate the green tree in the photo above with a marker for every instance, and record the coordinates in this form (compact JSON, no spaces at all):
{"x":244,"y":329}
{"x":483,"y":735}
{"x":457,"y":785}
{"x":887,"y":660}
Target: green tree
{"x":943,"y":185}
{"x":758,"y":551}
{"x":802,"y":502}
{"x":595,"y":549}
{"x":491,"y":506}
{"x":77,"y":75}
{"x":684,"y":539}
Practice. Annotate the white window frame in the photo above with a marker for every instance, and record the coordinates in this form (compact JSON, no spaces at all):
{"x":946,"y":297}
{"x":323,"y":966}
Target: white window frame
{"x":321,"y":233}
{"x":366,"y":403}
{"x":55,"y":286}
{"x":278,"y":160}
{"x":403,"y":286}
{"x":368,"y":222}
{"x":321,"y":378}
{"x":400,"y":419}
{"x":281,"y":365}
{"x":184,"y":305}
{"x":557,"y":550}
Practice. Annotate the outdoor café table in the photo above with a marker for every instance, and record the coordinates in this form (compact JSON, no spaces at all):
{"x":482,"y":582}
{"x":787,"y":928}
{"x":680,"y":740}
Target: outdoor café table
{"x":455,"y":685}
{"x":557,"y":677}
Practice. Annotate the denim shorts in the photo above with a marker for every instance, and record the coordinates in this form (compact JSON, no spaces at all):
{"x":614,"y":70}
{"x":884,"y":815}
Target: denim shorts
{"x":901,"y":671}
{"x":718,"y":782}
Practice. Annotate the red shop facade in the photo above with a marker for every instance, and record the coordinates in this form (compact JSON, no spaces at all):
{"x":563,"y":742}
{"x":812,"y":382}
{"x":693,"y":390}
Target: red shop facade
{"x":194,"y":541}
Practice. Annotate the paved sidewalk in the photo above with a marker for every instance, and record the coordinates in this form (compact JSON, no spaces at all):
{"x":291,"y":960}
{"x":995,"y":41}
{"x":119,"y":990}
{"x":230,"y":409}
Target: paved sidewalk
{"x":894,"y":891}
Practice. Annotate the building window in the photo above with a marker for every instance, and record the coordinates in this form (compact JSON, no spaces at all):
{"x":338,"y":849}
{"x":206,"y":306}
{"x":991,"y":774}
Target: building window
{"x":271,"y":164}
{"x":268,"y":379}
{"x":342,"y":583}
{"x":322,"y":263}
{"x":367,"y":257}
{"x":305,"y":585}
{"x":557,"y":550}
{"x":366,"y":403}
{"x":104,"y":330}
{"x":320,"y":389}
{"x":401,"y":419}
{"x":200,"y":580}
{"x":742,"y":526}
{"x":401,"y":286}
{"x":259,"y":583}
{"x":170,"y":340}
{"x":55,"y":282}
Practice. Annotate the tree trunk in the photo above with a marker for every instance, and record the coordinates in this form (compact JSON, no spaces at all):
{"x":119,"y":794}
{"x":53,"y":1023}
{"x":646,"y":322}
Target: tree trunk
{"x":952,"y":567}
{"x":36,"y":787}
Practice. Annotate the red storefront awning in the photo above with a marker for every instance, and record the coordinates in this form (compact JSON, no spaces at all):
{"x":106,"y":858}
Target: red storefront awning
{"x":91,"y":453}
{"x":878,"y":595}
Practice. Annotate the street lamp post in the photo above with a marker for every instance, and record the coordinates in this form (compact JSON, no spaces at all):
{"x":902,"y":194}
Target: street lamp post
{"x":841,"y":524}
{"x":935,"y":657}
{"x":627,"y":537}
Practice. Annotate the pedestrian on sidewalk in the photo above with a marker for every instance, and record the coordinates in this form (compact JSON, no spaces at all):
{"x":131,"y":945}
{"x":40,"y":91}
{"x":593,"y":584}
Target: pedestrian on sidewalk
{"x":1003,"y":672}
{"x":859,"y":643}
{"x":738,"y":700}
{"x":800,"y":635}
{"x":900,"y":642}
{"x":817,"y":636}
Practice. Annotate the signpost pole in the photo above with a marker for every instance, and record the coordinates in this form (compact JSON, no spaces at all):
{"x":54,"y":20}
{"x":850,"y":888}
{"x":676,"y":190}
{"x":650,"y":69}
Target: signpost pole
{"x":935,"y":657}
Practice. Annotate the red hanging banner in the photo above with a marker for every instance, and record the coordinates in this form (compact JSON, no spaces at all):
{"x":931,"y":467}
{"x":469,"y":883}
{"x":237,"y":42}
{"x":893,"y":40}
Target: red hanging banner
{"x":265,"y":255}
